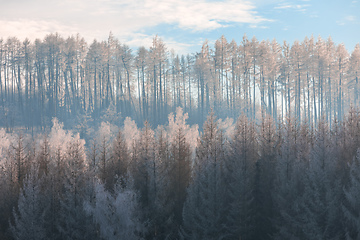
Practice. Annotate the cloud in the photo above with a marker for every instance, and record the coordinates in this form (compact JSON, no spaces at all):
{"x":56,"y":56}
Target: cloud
{"x":130,"y":21}
{"x":32,"y":29}
{"x":122,"y":17}
{"x":284,"y":7}
{"x":297,"y":7}
{"x":350,"y":19}
{"x":140,"y":39}
{"x":257,"y":26}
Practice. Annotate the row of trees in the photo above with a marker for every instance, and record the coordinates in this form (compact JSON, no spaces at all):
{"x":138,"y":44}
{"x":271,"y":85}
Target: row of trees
{"x":74,"y":81}
{"x":234,"y":181}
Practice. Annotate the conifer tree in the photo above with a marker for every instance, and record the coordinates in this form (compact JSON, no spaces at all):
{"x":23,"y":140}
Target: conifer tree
{"x":204,"y":209}
{"x":73,"y":222}
{"x":29,"y":217}
{"x":319,"y":209}
{"x":116,"y":214}
{"x":264,"y":179}
{"x":239,"y":178}
{"x":351,"y":206}
{"x":291,"y":164}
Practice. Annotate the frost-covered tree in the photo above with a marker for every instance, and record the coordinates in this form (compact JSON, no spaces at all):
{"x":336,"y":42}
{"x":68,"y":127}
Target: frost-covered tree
{"x":8,"y":188}
{"x":354,"y":70}
{"x":29,"y":217}
{"x":204,"y":208}
{"x":144,"y":169}
{"x":263,"y":206}
{"x":351,"y":205}
{"x":43,"y":156}
{"x":291,"y":163}
{"x":73,"y":222}
{"x":240,"y":166}
{"x":119,"y":161}
{"x":116,"y":214}
{"x":319,"y":207}
{"x":59,"y":141}
{"x":175,"y":171}
{"x":104,"y":138}
{"x":19,"y":158}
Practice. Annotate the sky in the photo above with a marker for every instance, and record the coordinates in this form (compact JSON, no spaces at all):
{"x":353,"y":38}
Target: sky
{"x":183,"y":25}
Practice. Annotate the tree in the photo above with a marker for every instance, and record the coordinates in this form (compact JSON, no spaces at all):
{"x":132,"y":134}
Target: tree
{"x":342,"y":63}
{"x":115,"y":213}
{"x":144,"y":169}
{"x":291,"y":163}
{"x":263,"y":179}
{"x":120,"y":158}
{"x":177,"y":172}
{"x":322,"y":192}
{"x":354,"y":69}
{"x":29,"y":218}
{"x":239,"y":179}
{"x":106,"y":167}
{"x":9,"y":191}
{"x":351,"y":207}
{"x":204,"y":209}
{"x":73,"y":222}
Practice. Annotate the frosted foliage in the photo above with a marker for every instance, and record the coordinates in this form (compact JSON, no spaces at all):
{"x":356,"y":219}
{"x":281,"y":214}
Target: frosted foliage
{"x":179,"y":122}
{"x":61,"y":140}
{"x":114,"y":213}
{"x":5,"y":143}
{"x":107,"y":132}
{"x":227,"y":126}
{"x":160,"y":131}
{"x":131,"y":132}
{"x":351,"y":207}
{"x":29,"y":220}
{"x":111,"y":115}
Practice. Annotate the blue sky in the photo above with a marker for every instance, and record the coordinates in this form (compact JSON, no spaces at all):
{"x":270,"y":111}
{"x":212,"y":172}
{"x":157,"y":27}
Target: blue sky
{"x":183,"y":25}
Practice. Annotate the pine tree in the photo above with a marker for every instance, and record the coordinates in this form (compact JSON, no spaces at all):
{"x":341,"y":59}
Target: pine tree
{"x":264,"y":180}
{"x":351,"y":206}
{"x":116,"y":214}
{"x":291,"y":163}
{"x":8,"y":187}
{"x":319,"y":207}
{"x":119,"y":161}
{"x":239,"y":178}
{"x":144,"y":169}
{"x":73,"y":223}
{"x":177,"y":172}
{"x":204,"y":210}
{"x":29,"y":218}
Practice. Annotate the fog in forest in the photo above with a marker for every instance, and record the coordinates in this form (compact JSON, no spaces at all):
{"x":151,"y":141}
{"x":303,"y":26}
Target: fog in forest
{"x":249,"y":139}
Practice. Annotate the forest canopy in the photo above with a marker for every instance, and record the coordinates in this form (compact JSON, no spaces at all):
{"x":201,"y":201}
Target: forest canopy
{"x":241,"y":140}
{"x":243,"y":180}
{"x":78,"y":82}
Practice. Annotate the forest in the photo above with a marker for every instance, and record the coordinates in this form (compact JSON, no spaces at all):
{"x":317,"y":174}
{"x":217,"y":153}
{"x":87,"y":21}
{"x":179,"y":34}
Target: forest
{"x":77,"y":82}
{"x":235,"y":180}
{"x":250,"y":140}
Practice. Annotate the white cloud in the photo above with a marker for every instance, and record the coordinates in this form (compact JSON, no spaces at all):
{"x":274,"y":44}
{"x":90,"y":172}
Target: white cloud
{"x":284,"y":7}
{"x":128,"y":20}
{"x":258,"y":26}
{"x":297,"y":7}
{"x":350,"y":19}
{"x":32,"y":29}
{"x":140,"y":39}
{"x":96,"y":18}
